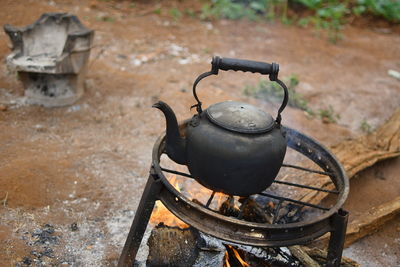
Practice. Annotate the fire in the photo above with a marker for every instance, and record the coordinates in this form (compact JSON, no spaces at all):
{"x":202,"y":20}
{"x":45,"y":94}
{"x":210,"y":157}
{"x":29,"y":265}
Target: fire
{"x":237,"y":257}
{"x":226,"y":263}
{"x":162,"y":214}
{"x":193,"y":191}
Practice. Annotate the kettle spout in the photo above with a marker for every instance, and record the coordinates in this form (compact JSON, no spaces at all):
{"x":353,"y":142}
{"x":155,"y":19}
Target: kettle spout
{"x":175,"y":144}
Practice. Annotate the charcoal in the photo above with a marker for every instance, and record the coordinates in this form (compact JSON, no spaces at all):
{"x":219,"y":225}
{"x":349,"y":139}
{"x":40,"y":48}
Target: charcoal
{"x":210,"y":259}
{"x":74,"y":227}
{"x":45,"y":235}
{"x":289,"y":213}
{"x":254,"y":212}
{"x":27,"y":261}
{"x":46,"y":252}
{"x":209,"y":243}
{"x":228,"y":208}
{"x":212,"y":251}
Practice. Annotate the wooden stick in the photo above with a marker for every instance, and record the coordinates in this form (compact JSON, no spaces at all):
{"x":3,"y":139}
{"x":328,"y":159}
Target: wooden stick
{"x":369,"y":222}
{"x":321,"y":255}
{"x":365,"y":151}
{"x":4,"y":200}
{"x":303,"y":257}
{"x":372,"y":221}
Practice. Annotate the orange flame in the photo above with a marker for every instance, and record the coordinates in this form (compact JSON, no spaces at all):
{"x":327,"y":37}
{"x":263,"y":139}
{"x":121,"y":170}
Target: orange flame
{"x":162,"y":214}
{"x":191,"y":190}
{"x":238,"y":257}
{"x":226,"y":263}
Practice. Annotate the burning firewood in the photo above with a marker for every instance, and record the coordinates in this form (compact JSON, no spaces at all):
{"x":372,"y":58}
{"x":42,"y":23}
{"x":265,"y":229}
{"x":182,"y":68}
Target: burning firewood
{"x":174,"y":246}
{"x":234,"y":255}
{"x":252,"y":211}
{"x":228,"y":207}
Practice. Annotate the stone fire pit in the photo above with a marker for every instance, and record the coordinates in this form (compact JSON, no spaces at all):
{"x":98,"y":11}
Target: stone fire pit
{"x":51,"y":58}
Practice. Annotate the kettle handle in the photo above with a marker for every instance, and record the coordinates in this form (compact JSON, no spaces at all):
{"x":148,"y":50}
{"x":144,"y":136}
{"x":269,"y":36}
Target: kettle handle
{"x":218,"y":63}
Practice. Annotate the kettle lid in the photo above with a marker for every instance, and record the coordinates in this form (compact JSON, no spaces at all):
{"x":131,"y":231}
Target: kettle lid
{"x":240,"y":117}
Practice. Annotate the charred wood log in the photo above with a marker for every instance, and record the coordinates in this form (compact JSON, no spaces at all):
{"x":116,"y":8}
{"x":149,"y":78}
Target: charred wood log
{"x":172,"y":246}
{"x":212,"y":251}
{"x":228,"y":207}
{"x":252,"y":211}
{"x":303,"y":257}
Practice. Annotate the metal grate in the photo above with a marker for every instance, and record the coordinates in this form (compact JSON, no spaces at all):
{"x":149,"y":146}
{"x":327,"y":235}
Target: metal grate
{"x":234,"y":229}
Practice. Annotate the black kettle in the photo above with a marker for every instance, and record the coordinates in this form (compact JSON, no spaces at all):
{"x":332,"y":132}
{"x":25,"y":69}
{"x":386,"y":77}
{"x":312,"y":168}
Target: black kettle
{"x":230,"y":147}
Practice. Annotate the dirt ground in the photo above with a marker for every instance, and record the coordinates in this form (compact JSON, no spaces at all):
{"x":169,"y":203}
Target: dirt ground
{"x":72,"y":177}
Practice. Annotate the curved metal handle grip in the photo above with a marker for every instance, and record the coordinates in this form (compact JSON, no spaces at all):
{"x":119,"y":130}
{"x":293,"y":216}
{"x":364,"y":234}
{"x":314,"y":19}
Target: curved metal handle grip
{"x":245,"y":65}
{"x":218,"y":63}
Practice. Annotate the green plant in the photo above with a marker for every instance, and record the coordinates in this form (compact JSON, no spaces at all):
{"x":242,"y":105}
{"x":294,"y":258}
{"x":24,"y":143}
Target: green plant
{"x":157,"y":11}
{"x":106,"y":19}
{"x":251,"y":9}
{"x":207,"y":50}
{"x":328,"y":115}
{"x":224,"y":9}
{"x":365,"y":126}
{"x":190,"y":12}
{"x":175,"y":13}
{"x":389,"y":9}
{"x":272,"y":92}
{"x":311,"y":4}
{"x":328,"y":15}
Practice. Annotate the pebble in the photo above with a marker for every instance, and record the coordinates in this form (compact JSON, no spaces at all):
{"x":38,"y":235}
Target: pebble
{"x":27,"y":261}
{"x":3,"y":108}
{"x":74,"y":108}
{"x":74,"y":227}
{"x":40,"y":128}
